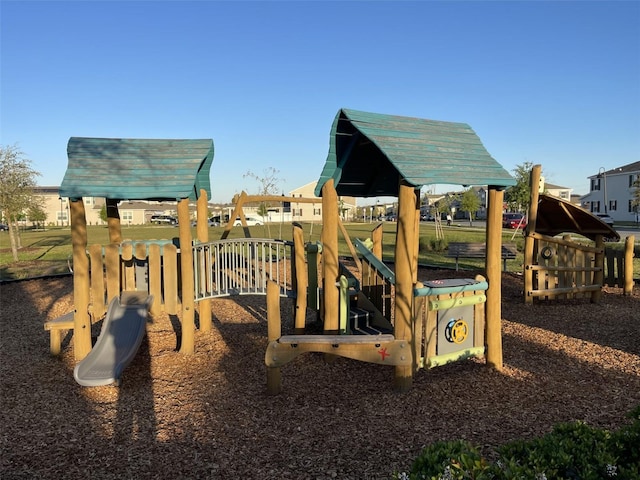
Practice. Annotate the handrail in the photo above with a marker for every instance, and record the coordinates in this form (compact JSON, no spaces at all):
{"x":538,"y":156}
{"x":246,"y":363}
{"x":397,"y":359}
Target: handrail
{"x":374,"y":261}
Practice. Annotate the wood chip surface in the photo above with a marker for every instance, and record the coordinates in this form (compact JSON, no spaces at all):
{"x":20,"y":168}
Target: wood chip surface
{"x":207,"y":416}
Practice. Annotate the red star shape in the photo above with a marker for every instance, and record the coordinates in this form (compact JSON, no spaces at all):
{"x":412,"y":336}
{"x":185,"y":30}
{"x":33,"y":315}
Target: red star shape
{"x":383,"y":353}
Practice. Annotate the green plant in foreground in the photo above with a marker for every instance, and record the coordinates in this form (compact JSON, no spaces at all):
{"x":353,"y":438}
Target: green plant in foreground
{"x":454,"y":460}
{"x":570,"y":451}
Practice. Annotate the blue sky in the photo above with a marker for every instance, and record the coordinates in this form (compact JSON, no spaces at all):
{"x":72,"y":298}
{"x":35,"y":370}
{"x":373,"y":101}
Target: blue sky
{"x":555,"y":83}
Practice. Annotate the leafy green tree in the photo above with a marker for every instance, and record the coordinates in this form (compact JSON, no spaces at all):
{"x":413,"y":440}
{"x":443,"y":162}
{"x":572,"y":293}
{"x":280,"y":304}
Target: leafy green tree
{"x":103,"y":213}
{"x":37,"y":214}
{"x":518,"y":196}
{"x":446,"y":202}
{"x":17,"y":181}
{"x":470,"y":203}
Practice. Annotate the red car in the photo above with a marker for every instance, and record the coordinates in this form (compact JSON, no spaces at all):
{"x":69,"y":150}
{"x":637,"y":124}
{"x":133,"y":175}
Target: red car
{"x":513,"y":220}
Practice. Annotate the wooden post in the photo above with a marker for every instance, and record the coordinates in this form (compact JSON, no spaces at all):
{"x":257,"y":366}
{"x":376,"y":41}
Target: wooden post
{"x":416,"y":239}
{"x":493,"y":310}
{"x":628,"y":265}
{"x":186,"y":272}
{"x":113,"y":221}
{"x":404,"y":256}
{"x":202,"y":232}
{"x":274,"y":329}
{"x":534,"y":182}
{"x":330,"y":256}
{"x":81,"y":321}
{"x":598,"y":275}
{"x":301,"y":280}
{"x":376,"y":237}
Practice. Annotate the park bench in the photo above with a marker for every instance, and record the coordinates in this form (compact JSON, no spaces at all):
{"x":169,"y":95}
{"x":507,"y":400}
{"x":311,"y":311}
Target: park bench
{"x":479,"y":250}
{"x":55,"y":327}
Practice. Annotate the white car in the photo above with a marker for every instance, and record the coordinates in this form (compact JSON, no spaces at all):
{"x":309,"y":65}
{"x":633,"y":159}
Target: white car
{"x":605,"y":218}
{"x":250,"y":222}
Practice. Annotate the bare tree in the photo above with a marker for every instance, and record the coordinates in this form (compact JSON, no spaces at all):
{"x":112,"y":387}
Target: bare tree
{"x":268,"y":185}
{"x":17,"y":180}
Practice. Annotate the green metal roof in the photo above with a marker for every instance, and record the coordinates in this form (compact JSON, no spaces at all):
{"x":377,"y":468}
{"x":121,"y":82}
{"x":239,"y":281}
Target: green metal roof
{"x":137,"y":169}
{"x":369,"y":153}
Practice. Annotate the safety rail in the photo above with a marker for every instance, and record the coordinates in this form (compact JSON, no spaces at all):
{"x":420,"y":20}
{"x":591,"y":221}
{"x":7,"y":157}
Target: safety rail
{"x":242,"y":266}
{"x":377,"y":278}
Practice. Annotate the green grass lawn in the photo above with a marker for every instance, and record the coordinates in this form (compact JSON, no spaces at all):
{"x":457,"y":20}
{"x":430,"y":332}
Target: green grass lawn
{"x":48,"y":251}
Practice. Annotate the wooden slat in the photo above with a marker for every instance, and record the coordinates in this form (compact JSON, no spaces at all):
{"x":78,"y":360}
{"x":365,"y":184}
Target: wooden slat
{"x":112,"y":263}
{"x":155,"y":280}
{"x":98,"y":305}
{"x":170,"y":277}
{"x":128,"y":273}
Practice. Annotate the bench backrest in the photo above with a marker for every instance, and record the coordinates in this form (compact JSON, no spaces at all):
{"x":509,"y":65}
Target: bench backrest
{"x":478,"y":249}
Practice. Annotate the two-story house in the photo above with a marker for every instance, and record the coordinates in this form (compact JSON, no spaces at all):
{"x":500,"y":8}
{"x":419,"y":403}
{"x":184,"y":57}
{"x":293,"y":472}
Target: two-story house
{"x":612,"y":192}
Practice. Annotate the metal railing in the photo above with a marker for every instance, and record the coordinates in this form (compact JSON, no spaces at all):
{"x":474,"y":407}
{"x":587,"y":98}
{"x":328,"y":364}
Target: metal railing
{"x":242,"y":267}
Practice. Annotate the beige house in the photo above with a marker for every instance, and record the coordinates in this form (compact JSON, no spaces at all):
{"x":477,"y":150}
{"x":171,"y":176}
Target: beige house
{"x":557,"y":191}
{"x":312,"y":212}
{"x":56,"y":208}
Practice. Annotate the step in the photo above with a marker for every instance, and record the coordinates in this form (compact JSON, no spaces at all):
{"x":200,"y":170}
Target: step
{"x":360,"y":323}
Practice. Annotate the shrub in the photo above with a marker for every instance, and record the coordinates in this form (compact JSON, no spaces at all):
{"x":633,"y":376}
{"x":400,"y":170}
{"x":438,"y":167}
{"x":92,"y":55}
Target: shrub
{"x":570,"y":451}
{"x":430,"y":244}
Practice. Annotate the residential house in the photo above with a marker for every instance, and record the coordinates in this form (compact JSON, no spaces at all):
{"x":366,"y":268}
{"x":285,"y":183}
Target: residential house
{"x":557,"y":191}
{"x":312,"y":212}
{"x":57,"y":208}
{"x":612,"y":192}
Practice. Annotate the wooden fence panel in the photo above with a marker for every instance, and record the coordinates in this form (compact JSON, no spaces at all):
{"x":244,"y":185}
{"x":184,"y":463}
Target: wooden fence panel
{"x":562,"y":269}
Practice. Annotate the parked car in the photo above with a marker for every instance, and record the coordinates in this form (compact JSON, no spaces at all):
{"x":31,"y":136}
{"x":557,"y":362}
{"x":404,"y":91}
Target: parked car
{"x":605,"y":218}
{"x":513,"y":220}
{"x":3,"y":227}
{"x":164,"y":219}
{"x":250,"y":222}
{"x":211,"y":222}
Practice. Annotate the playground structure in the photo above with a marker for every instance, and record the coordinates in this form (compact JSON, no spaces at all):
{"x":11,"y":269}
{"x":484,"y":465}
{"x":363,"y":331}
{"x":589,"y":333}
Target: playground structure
{"x":560,"y":267}
{"x":426,"y":325}
{"x":134,"y":169}
{"x":383,"y":155}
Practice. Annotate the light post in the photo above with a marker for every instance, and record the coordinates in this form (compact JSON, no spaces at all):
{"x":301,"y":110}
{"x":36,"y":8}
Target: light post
{"x":603,"y":175}
{"x":61,"y":222}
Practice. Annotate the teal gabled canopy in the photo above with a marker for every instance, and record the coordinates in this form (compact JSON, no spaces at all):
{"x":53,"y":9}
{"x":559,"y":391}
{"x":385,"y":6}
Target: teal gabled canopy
{"x":137,"y":169}
{"x":369,"y":153}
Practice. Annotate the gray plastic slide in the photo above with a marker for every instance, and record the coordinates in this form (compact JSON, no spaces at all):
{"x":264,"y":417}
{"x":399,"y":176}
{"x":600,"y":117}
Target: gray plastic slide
{"x":122,"y":332}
